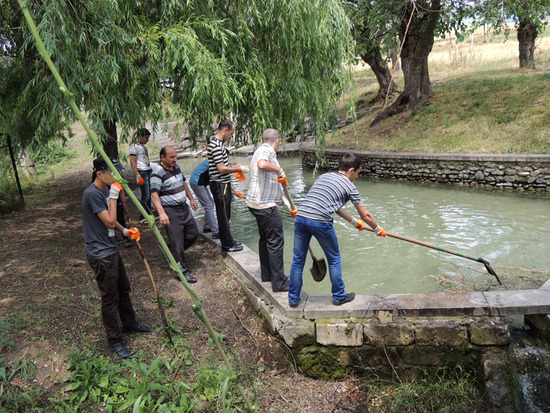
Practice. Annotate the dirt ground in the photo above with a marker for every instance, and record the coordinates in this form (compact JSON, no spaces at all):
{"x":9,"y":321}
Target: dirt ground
{"x":47,"y":285}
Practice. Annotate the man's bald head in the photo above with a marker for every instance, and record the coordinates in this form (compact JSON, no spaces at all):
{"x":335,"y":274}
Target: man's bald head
{"x":270,"y":136}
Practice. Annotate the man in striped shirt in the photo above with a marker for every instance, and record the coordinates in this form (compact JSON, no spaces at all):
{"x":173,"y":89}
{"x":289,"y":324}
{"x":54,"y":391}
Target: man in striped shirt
{"x":328,"y":194}
{"x":169,"y":193}
{"x":220,"y":182}
{"x":264,"y":192}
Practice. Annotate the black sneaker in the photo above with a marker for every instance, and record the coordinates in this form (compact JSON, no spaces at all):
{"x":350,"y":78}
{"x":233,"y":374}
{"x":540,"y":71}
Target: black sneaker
{"x":293,"y":305}
{"x":234,"y":248}
{"x":138,"y":328}
{"x":120,"y":350}
{"x":237,"y":241}
{"x":190,"y":278}
{"x":216,"y":235}
{"x":347,"y":299}
{"x":283,"y":288}
{"x":206,"y":230}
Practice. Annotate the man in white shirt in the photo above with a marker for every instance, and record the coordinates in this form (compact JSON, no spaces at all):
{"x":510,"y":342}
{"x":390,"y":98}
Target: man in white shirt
{"x":139,"y":161}
{"x":263,"y":194}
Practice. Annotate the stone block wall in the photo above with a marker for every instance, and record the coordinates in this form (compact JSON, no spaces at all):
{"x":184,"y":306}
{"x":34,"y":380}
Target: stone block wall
{"x":501,"y":171}
{"x":404,"y":346}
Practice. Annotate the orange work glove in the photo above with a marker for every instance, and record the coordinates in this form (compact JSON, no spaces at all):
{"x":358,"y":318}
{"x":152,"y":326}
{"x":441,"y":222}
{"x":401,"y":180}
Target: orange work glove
{"x":293,"y":212}
{"x":239,"y":194}
{"x":133,"y":233}
{"x":115,"y":190}
{"x":282,"y":180}
{"x":139,"y":180}
{"x":380,"y":231}
{"x":358,"y":223}
{"x":240,"y":176}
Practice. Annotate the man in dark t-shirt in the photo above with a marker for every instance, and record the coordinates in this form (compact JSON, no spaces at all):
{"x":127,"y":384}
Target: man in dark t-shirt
{"x":99,"y":221}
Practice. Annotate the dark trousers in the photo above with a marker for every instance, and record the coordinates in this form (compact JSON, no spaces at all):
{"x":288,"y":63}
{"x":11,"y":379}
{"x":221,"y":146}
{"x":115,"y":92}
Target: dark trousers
{"x":221,"y":192}
{"x":120,"y":215}
{"x":270,"y":245}
{"x":114,"y":288}
{"x":182,"y":232}
{"x":145,"y":191}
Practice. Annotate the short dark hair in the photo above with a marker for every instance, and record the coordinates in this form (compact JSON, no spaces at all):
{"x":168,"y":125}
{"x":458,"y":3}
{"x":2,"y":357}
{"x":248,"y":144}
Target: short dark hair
{"x":226,"y":124}
{"x":100,"y":164}
{"x":144,"y":132}
{"x":350,"y":160}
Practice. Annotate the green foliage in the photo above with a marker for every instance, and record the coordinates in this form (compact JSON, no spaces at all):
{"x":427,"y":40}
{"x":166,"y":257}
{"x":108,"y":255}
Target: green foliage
{"x":44,"y":155}
{"x":52,"y":152}
{"x":10,"y":200}
{"x":267,"y":63}
{"x":133,"y":384}
{"x":7,"y":327}
{"x":213,"y":385}
{"x":443,"y":390}
{"x":13,"y":395}
{"x":497,"y":13}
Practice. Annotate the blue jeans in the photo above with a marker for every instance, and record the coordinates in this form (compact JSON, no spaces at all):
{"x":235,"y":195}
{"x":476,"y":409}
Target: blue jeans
{"x":145,"y":191}
{"x":324,"y":232}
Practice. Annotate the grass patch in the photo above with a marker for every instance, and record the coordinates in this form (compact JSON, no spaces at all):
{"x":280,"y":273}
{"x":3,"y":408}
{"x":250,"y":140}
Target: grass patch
{"x":483,"y":103}
{"x":490,"y":113}
{"x":445,"y":390}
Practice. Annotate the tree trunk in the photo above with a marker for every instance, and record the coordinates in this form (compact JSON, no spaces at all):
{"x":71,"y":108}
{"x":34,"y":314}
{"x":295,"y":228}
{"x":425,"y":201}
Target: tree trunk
{"x":371,"y":55}
{"x":418,"y":40}
{"x":386,"y":85}
{"x":110,"y":141}
{"x":27,"y":163}
{"x":527,"y":34}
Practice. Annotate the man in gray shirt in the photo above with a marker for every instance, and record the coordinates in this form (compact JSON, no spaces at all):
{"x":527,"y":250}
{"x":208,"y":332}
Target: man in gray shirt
{"x":169,"y":193}
{"x":99,"y":221}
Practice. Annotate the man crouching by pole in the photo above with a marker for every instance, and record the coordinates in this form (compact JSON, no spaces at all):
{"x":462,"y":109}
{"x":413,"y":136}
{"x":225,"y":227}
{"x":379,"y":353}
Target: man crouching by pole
{"x":99,"y":221}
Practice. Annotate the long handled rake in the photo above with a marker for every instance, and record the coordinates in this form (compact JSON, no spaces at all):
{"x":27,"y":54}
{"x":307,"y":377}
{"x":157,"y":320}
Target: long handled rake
{"x":448,"y":251}
{"x":486,"y":263}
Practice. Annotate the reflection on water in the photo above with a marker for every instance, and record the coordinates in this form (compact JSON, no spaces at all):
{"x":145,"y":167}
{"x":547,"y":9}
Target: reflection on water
{"x":507,"y":229}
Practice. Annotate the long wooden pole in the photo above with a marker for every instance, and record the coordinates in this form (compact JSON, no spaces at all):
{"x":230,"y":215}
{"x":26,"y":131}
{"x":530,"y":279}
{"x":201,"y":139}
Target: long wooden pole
{"x":486,"y":263}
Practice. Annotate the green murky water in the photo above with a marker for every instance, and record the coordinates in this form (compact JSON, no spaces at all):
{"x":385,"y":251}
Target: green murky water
{"x":510,"y":230}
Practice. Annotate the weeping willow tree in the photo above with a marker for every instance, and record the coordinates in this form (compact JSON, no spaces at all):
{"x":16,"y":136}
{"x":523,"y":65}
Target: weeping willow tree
{"x":270,"y":63}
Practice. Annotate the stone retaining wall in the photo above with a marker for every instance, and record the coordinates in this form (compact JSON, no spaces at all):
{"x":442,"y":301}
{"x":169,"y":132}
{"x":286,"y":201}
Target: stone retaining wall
{"x":529,"y":172}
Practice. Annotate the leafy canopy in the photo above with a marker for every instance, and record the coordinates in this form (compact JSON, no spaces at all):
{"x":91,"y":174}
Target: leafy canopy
{"x":270,"y":63}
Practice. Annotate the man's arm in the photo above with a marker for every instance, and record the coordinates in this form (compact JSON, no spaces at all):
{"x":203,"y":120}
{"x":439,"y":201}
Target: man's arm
{"x":108,"y":217}
{"x":267,"y":166}
{"x":194,"y":205}
{"x":363,"y":213}
{"x":163,"y":218}
{"x":133,"y":164}
{"x":224,"y":169}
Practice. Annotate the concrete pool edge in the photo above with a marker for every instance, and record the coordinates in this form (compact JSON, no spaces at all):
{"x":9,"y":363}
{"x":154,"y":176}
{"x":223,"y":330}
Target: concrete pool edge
{"x":456,"y":317}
